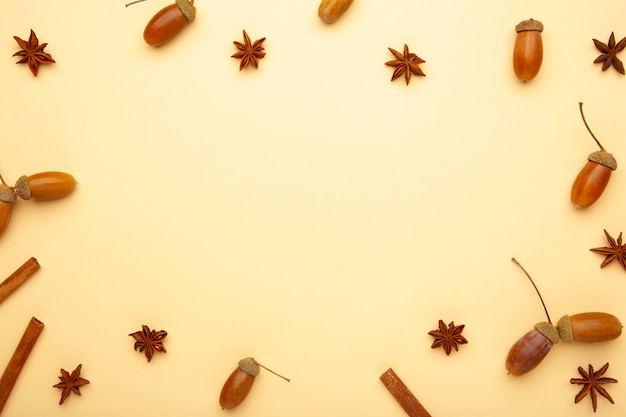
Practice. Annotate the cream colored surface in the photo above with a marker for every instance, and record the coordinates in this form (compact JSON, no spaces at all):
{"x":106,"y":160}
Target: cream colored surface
{"x":311,"y":214}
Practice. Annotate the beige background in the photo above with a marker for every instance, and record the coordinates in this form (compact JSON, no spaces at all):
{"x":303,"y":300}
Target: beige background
{"x":311,"y":214}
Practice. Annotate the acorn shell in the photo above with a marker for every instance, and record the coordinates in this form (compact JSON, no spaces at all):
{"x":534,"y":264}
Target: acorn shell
{"x":529,"y":25}
{"x":187,"y":9}
{"x":7,"y":194}
{"x":603,"y":158}
{"x":249,"y":366}
{"x":548,"y":330}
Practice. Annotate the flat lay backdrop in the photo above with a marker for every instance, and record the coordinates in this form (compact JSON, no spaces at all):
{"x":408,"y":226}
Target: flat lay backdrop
{"x":311,"y":213}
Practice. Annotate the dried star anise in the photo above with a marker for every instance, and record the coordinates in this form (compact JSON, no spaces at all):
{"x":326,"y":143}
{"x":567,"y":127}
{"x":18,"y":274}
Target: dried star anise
{"x":448,"y":337}
{"x":70,"y":383}
{"x":149,"y":341}
{"x":609,"y":53}
{"x":591,"y":384}
{"x":615,"y":251}
{"x":249,"y":52}
{"x":32,"y":53}
{"x":407,"y":63}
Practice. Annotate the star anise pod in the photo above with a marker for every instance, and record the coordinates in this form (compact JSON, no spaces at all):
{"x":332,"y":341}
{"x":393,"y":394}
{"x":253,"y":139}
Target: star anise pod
{"x":149,"y":341}
{"x":70,"y":383}
{"x":249,"y":52}
{"x":32,"y":53}
{"x":616,"y":251}
{"x":448,"y":337}
{"x":406,"y":63}
{"x":609,"y":53}
{"x":591,"y":384}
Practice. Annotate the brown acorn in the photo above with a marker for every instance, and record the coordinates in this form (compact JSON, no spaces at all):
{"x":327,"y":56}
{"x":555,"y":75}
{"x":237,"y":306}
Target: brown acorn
{"x":42,"y":186}
{"x":45,"y":185}
{"x":168,"y":22}
{"x":594,"y":177}
{"x":239,"y":383}
{"x":331,"y":10}
{"x":528,"y":50}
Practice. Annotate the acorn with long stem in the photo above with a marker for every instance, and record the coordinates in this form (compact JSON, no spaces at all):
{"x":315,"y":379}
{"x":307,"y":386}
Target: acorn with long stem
{"x":238,"y":385}
{"x":594,"y":177}
{"x":528,"y":352}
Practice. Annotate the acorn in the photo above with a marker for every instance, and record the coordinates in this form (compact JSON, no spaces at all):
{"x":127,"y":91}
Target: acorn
{"x":239,"y":383}
{"x":594,"y":176}
{"x":528,"y":50}
{"x":168,"y":22}
{"x":331,"y":10}
{"x":42,"y":186}
{"x":45,"y":185}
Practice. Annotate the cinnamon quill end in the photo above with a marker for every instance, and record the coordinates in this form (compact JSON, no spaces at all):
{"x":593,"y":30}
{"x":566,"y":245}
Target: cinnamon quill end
{"x":18,"y":277}
{"x":17,"y":361}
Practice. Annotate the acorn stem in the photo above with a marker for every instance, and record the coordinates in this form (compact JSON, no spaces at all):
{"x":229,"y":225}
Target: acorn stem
{"x":536,"y":289}
{"x":2,"y":179}
{"x":580,"y":106}
{"x":268,"y":369}
{"x":134,"y":2}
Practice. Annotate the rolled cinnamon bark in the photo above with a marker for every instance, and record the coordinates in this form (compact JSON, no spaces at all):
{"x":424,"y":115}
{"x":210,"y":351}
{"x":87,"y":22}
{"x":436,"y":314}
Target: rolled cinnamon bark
{"x":17,"y":361}
{"x":18,"y":277}
{"x":403,"y":395}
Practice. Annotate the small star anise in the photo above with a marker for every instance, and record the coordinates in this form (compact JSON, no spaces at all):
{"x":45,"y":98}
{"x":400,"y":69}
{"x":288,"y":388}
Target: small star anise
{"x":70,"y":383}
{"x":591,"y":384}
{"x":609,"y":53}
{"x":407,"y":63}
{"x":615,"y":251}
{"x":149,"y":341}
{"x":249,"y":52}
{"x":448,"y":337}
{"x":32,"y":53}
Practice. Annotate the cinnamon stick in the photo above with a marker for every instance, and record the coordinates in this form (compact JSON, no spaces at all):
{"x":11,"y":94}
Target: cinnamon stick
{"x":17,"y":361}
{"x":403,"y":395}
{"x":18,"y":277}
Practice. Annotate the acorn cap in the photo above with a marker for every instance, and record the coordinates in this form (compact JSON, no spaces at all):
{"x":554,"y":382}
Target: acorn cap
{"x":249,"y":366}
{"x":603,"y":158}
{"x":187,"y":9}
{"x":564,"y":327}
{"x":7,"y":194}
{"x":548,"y":330}
{"x":22,"y":188}
{"x":528,"y":25}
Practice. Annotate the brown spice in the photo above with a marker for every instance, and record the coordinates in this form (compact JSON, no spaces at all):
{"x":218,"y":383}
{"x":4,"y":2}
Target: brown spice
{"x":149,"y":341}
{"x":617,"y":251}
{"x":448,"y":337}
{"x":406,"y":63}
{"x":591,"y":384}
{"x":609,"y":53}
{"x":32,"y":53}
{"x":70,"y":383}
{"x":18,"y":277}
{"x":249,"y":52}
{"x":17,"y":361}
{"x":403,"y":395}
